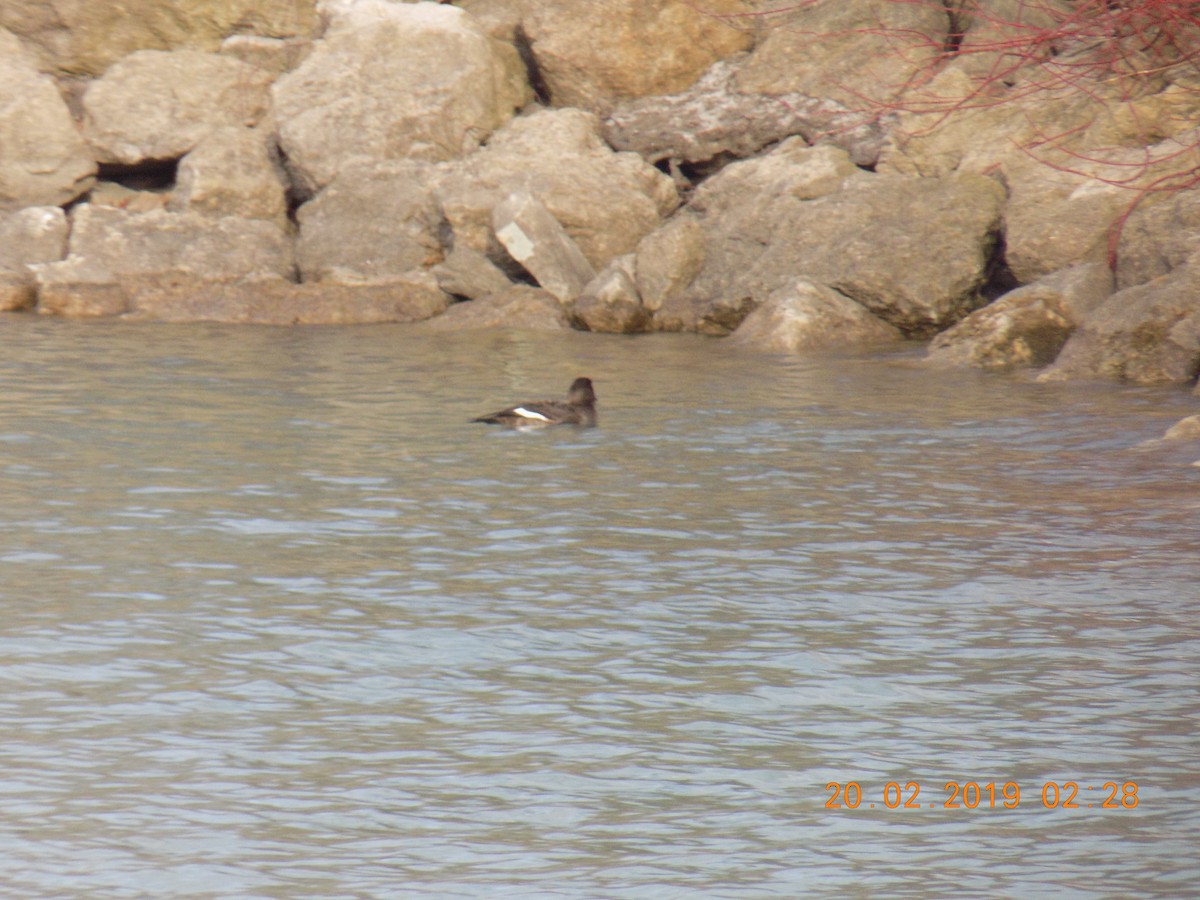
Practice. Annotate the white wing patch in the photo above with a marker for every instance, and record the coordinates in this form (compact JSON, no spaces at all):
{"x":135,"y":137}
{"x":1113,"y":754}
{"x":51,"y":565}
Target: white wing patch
{"x":529,"y":414}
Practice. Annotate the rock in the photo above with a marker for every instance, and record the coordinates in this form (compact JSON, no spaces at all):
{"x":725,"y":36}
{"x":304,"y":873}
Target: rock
{"x":36,"y":234}
{"x":712,"y":120}
{"x":274,"y":55}
{"x":273,"y":301}
{"x":1162,"y":231}
{"x":520,"y":306}
{"x":801,"y":316}
{"x":1186,"y":429}
{"x":79,"y":288}
{"x":109,"y":246}
{"x":913,"y":251}
{"x":468,"y":273}
{"x":371,"y":222}
{"x":120,"y":196}
{"x":17,"y":292}
{"x":1145,"y":334}
{"x":610,"y":302}
{"x":43,"y":160}
{"x":158,"y":105}
{"x":1073,"y":160}
{"x":28,"y":237}
{"x":230,"y":172}
{"x":86,"y":38}
{"x":668,"y":259}
{"x":593,"y":53}
{"x":1026,"y":327}
{"x":418,"y":80}
{"x":862,"y":55}
{"x":535,"y":239}
{"x":606,"y":201}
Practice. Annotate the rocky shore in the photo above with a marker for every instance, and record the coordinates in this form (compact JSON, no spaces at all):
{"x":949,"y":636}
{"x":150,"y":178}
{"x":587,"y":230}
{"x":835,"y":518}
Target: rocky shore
{"x":611,"y":165}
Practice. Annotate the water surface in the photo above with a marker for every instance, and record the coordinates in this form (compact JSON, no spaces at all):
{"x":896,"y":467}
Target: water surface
{"x":278,"y":622}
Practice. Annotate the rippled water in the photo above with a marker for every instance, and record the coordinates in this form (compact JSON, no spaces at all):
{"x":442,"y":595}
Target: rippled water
{"x":277,"y":622}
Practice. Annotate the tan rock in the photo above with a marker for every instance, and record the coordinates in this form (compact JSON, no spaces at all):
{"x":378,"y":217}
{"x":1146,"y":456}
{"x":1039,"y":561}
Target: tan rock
{"x":418,"y":80}
{"x":1026,"y":327}
{"x":593,"y":53}
{"x":668,"y":259}
{"x":1145,"y":334}
{"x":371,"y":222}
{"x":610,"y":302}
{"x":273,"y":301}
{"x":802,"y":317}
{"x":520,"y":306}
{"x":536,"y":240}
{"x":231,"y":173}
{"x":79,"y":38}
{"x":858,"y":54}
{"x":914,"y":251}
{"x":606,"y":201}
{"x":158,"y":105}
{"x":43,"y":160}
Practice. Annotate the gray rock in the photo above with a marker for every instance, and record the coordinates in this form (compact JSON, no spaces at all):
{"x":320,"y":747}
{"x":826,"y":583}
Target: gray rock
{"x":391,"y":81}
{"x":468,"y":273}
{"x":519,"y":306}
{"x":801,"y":316}
{"x":1145,"y":334}
{"x":158,"y":105}
{"x":1186,"y":429}
{"x":535,"y":239}
{"x":43,"y":160}
{"x":713,"y":120}
{"x":610,"y":302}
{"x":371,"y":222}
{"x":1159,"y":236}
{"x":912,"y":251}
{"x":1026,"y":327}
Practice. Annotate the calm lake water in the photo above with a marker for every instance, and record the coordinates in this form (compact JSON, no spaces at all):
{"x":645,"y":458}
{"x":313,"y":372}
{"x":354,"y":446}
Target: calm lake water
{"x":278,"y":622}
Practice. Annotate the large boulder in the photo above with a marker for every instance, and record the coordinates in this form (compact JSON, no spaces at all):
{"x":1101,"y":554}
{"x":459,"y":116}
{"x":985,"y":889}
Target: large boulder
{"x":109,"y":247}
{"x":519,"y":306}
{"x":158,"y":105}
{"x":1145,"y":334}
{"x":231,"y":172}
{"x":914,"y":251}
{"x":370,"y":223}
{"x":391,"y":81}
{"x":1026,"y":327}
{"x":610,"y":302}
{"x":594,"y":53}
{"x":606,"y":201}
{"x":713,"y":120}
{"x":75,"y":38}
{"x":1161,"y":232}
{"x":803,"y":317}
{"x":862,"y":55}
{"x":43,"y":160}
{"x":179,"y":297}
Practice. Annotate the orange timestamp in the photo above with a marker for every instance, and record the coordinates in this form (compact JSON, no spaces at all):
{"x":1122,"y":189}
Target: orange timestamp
{"x":985,"y":795}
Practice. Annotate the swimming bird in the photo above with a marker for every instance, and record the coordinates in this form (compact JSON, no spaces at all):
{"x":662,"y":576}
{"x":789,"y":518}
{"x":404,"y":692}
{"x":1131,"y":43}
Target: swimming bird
{"x":578,"y":409}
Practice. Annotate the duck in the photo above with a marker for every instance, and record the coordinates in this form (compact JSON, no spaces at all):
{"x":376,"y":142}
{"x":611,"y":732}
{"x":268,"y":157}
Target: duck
{"x":578,"y":409}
